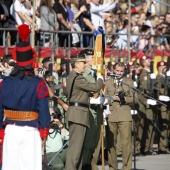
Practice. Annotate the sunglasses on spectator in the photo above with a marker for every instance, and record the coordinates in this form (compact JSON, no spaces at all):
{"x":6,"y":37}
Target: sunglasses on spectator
{"x":164,"y":27}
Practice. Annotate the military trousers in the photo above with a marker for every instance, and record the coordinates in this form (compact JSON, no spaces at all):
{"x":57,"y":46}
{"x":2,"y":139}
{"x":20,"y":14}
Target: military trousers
{"x":74,"y":152}
{"x":124,"y":129}
{"x":149,"y":131}
{"x":92,"y":135}
{"x":164,"y":127}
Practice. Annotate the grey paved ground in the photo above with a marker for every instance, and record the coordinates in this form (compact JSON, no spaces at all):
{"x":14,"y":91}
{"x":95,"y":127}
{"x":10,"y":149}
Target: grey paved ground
{"x":158,"y":162}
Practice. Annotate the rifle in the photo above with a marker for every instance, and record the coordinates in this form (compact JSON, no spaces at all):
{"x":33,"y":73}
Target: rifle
{"x":111,"y":58}
{"x":50,"y":69}
{"x":117,"y":50}
{"x":125,"y":62}
{"x":162,"y":57}
{"x":68,"y":64}
{"x":167,"y":77}
{"x":153,"y":81}
{"x":52,"y":62}
{"x":152,"y":61}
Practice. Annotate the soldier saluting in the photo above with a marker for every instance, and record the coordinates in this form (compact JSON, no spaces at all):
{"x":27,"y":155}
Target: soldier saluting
{"x":78,"y":89}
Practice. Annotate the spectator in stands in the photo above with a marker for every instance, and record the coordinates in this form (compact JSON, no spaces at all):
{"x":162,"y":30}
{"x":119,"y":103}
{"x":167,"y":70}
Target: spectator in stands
{"x":138,"y":5}
{"x":2,"y":18}
{"x":62,"y":16}
{"x":167,"y":19}
{"x":74,"y":26}
{"x":8,"y":21}
{"x":121,"y":41}
{"x":48,"y":21}
{"x":86,"y":25}
{"x":161,"y":18}
{"x":109,"y":34}
{"x":97,"y":9}
{"x":161,"y":41}
{"x":153,"y":22}
{"x":142,"y":19}
{"x":143,"y":41}
{"x":134,"y":20}
{"x":19,"y":13}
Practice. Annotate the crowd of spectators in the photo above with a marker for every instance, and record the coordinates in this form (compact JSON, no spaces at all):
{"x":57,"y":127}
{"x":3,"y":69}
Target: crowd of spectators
{"x":147,"y":27}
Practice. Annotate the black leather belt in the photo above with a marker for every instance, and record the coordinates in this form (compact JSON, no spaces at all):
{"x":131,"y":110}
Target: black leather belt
{"x":78,"y":104}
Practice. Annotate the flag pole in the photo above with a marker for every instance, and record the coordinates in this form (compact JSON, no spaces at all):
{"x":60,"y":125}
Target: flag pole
{"x":33,"y":25}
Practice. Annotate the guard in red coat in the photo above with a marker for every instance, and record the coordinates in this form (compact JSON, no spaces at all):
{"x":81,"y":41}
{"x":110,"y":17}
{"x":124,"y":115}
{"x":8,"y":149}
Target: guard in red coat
{"x":24,"y":111}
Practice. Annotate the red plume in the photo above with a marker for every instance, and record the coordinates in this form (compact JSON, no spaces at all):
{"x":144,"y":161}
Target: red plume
{"x":24,"y":32}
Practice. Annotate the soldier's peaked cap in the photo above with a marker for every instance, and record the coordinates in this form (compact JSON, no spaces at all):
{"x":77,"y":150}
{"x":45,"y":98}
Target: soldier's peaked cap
{"x":78,"y":58}
{"x":47,"y":59}
{"x":87,"y":52}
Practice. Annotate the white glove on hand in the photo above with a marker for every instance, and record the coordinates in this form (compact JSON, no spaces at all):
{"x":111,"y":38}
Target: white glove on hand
{"x":168,"y":73}
{"x":98,"y":100}
{"x":164,"y":98}
{"x":153,"y":76}
{"x":151,"y":102}
{"x":135,"y":84}
{"x":105,"y":102}
{"x":133,"y":112}
{"x":107,"y":110}
{"x":94,"y":101}
{"x":100,"y":77}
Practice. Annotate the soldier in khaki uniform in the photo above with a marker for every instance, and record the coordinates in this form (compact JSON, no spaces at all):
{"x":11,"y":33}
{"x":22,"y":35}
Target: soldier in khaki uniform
{"x":93,"y":133}
{"x":134,"y":73}
{"x":163,"y":112}
{"x":119,"y":119}
{"x":78,"y":89}
{"x":144,"y":82}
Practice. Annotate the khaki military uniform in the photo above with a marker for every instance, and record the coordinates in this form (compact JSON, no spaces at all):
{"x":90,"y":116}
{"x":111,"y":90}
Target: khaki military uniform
{"x":78,"y":116}
{"x":163,"y":116}
{"x":119,"y":119}
{"x":148,"y":133}
{"x":92,"y":134}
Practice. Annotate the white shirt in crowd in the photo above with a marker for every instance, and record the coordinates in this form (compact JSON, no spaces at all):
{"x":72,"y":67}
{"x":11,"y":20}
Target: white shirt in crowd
{"x":96,"y":13}
{"x":17,"y":7}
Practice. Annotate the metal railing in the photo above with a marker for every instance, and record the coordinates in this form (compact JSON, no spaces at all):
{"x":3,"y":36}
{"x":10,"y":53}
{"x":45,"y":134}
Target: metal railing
{"x":55,"y":38}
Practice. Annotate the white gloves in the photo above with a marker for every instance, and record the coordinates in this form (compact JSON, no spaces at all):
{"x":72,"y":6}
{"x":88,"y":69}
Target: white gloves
{"x":100,"y":77}
{"x":135,"y":84}
{"x":151,"y":102}
{"x":98,"y":100}
{"x":153,"y":76}
{"x":134,"y":112}
{"x":106,"y":111}
{"x":106,"y":102}
{"x":168,"y":73}
{"x":164,"y":98}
